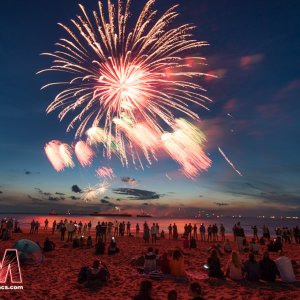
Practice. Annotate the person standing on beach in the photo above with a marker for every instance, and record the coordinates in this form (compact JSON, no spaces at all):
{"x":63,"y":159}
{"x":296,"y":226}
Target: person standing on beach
{"x":137,"y":229}
{"x":116,"y":226}
{"x":128,"y":225}
{"x":222,"y":230}
{"x":89,"y":227}
{"x":255,"y":236}
{"x":153,"y":233}
{"x":195,"y":234}
{"x":53,"y":226}
{"x":175,"y":232}
{"x":63,"y":229}
{"x":170,"y":231}
{"x":146,"y":234}
{"x":32,"y":226}
{"x":239,"y":231}
{"x":202,"y":232}
{"x":70,"y":228}
{"x":209,"y":233}
{"x":37,"y":226}
{"x":98,"y":232}
{"x":46,"y":224}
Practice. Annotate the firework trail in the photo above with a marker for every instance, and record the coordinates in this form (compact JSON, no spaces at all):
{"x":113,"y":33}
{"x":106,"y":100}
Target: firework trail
{"x":91,"y":193}
{"x":59,"y":154}
{"x":84,"y":153}
{"x":142,"y":73}
{"x":184,"y":145}
{"x":229,"y":162}
{"x":105,"y":172}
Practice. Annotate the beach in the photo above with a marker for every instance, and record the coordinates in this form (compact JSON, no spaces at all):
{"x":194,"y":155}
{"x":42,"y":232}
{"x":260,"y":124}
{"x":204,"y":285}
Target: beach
{"x":56,"y":277}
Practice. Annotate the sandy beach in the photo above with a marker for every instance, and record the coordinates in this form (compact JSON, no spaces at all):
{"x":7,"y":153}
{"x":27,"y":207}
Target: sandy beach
{"x":56,"y":277}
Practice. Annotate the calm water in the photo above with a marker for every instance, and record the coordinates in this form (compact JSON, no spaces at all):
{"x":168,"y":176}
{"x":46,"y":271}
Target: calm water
{"x":228,"y":222}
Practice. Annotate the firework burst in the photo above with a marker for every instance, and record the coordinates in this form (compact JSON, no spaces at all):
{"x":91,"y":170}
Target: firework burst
{"x":92,"y":192}
{"x":142,"y":74}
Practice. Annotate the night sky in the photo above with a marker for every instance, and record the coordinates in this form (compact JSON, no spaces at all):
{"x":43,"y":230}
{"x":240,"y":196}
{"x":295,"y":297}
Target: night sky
{"x":254,"y":50}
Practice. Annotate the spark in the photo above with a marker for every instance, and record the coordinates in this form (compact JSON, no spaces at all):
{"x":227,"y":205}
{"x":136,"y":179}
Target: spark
{"x":84,"y":153}
{"x":91,"y":193}
{"x":59,"y":155}
{"x":125,"y":84}
{"x":105,"y":172}
{"x":229,"y":162}
{"x":167,"y":175}
{"x":184,"y":145}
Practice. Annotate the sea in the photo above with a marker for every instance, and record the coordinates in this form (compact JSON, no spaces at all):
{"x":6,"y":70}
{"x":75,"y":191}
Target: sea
{"x":246,"y":222}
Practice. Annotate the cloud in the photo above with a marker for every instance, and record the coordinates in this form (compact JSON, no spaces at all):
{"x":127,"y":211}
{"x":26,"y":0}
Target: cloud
{"x":35,"y":200}
{"x":55,"y":199}
{"x":74,"y":198}
{"x":1,"y":192}
{"x":137,"y":194}
{"x":42,"y":193}
{"x":247,"y":61}
{"x":30,"y":172}
{"x":61,"y":194}
{"x":129,"y":180}
{"x":76,"y":189}
{"x":280,"y":198}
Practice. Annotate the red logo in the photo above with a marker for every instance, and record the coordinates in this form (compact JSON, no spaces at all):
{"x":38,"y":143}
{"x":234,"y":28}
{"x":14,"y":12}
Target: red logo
{"x":10,"y":266}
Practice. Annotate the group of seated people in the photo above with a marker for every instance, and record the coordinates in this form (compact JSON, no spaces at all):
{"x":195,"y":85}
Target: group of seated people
{"x":266,"y":269}
{"x":112,"y":248}
{"x":95,"y":276}
{"x":171,"y":263}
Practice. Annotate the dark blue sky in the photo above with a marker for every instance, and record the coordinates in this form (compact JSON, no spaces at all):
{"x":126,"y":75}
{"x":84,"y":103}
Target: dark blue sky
{"x":254,"y":49}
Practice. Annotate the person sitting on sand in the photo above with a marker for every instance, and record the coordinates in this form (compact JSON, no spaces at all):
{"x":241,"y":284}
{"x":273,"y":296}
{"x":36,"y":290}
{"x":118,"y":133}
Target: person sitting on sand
{"x":113,"y":249}
{"x":89,"y":242}
{"x":195,"y":291}
{"x":97,"y":275}
{"x":193,"y":243}
{"x":253,"y":247}
{"x":150,"y":261}
{"x":100,"y":247}
{"x":234,"y":268}
{"x":48,"y":245}
{"x":252,"y":269}
{"x":177,"y":263}
{"x":162,"y":235}
{"x":145,"y":291}
{"x":214,"y":265}
{"x":165,"y":263}
{"x":227,"y":247}
{"x":285,"y":268}
{"x":268,"y":268}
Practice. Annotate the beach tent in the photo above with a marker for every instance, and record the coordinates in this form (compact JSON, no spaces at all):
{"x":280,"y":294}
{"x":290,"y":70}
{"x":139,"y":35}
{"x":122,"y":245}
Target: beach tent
{"x":29,"y":251}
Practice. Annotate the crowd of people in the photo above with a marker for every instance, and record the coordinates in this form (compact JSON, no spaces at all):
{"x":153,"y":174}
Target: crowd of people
{"x":259,"y":266}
